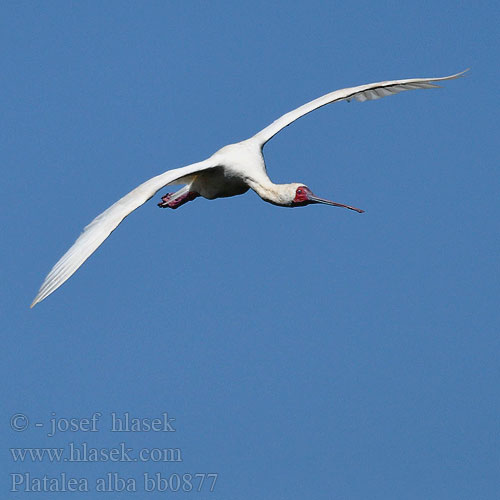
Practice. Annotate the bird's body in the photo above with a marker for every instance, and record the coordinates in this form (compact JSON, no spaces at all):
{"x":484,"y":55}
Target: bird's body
{"x":238,"y":162}
{"x":231,"y":171}
{"x":239,"y":167}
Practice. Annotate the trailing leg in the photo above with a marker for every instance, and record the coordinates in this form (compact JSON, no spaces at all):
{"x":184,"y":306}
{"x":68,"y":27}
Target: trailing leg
{"x":175,"y":200}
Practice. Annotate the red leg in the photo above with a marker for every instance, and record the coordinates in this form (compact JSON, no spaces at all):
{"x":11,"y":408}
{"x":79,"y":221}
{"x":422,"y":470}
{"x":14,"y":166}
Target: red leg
{"x":168,"y":202}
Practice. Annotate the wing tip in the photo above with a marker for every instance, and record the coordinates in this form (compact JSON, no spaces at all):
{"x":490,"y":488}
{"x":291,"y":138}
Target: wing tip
{"x":41,"y":295}
{"x":460,"y":74}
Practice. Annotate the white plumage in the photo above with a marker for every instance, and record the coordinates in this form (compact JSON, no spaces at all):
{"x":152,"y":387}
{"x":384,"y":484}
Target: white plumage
{"x":230,"y":171}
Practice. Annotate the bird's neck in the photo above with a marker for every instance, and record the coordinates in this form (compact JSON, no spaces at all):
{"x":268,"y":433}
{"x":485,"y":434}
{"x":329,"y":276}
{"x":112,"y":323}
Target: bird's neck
{"x":277,"y":194}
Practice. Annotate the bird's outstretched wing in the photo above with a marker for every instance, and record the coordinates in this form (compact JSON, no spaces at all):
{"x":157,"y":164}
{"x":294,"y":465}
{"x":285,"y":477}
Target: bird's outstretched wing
{"x":104,"y":224}
{"x":362,"y":93}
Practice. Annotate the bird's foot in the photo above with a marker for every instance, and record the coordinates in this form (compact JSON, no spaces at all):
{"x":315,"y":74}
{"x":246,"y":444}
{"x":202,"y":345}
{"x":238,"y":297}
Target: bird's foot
{"x":169,"y":202}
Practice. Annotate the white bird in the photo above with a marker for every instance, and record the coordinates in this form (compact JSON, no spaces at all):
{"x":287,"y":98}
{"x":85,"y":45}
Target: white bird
{"x":231,"y":171}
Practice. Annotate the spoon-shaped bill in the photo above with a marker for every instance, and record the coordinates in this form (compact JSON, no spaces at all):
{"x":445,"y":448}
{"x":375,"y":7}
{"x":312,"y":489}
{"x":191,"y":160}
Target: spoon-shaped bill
{"x":316,"y":199}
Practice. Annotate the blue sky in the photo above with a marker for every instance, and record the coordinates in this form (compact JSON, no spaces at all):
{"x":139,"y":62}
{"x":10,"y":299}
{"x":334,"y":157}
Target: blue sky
{"x":307,"y":353}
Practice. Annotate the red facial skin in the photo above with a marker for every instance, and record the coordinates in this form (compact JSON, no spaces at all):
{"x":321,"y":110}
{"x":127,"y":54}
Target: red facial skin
{"x":302,"y":196}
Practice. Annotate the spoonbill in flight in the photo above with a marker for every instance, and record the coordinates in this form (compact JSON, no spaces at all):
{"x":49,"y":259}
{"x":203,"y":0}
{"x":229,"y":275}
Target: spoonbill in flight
{"x":229,"y":172}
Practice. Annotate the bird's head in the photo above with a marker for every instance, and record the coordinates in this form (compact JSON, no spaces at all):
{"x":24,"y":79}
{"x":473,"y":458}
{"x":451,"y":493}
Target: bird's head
{"x":301,"y":195}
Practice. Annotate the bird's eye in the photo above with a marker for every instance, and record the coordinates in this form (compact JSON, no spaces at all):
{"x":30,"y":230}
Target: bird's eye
{"x":299,"y":191}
